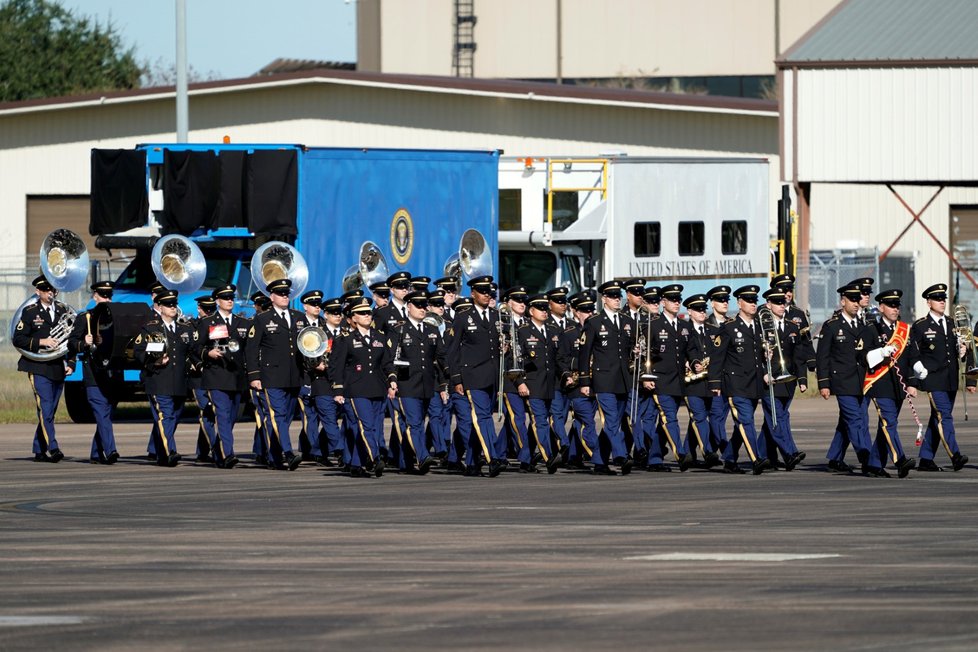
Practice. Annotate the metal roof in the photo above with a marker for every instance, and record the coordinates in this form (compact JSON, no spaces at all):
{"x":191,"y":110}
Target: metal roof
{"x":905,"y":31}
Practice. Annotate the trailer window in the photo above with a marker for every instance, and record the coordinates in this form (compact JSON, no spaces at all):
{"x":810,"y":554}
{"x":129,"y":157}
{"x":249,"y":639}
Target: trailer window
{"x":537,"y":270}
{"x":566,"y":208}
{"x":733,"y":237}
{"x":648,"y":240}
{"x":510,"y":209}
{"x":690,"y":238}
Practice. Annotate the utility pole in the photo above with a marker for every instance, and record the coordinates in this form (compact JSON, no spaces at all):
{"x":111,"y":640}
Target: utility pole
{"x":182,"y":104}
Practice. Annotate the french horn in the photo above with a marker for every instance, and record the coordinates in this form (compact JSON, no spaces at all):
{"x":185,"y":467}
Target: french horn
{"x":277,"y":260}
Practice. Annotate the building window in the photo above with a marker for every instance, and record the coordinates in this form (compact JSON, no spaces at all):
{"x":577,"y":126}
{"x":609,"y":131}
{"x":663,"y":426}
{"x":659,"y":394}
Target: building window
{"x":647,"y":238}
{"x":733,"y":238}
{"x":690,"y":238}
{"x":510,"y":209}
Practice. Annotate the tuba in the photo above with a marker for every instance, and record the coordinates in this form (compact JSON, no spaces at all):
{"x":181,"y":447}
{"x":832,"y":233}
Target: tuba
{"x":313,"y":344}
{"x":276,"y":260}
{"x":453,"y":268}
{"x":179,"y":263}
{"x":474,"y":256}
{"x":64,"y":263}
{"x":371,"y":268}
{"x":962,"y":328}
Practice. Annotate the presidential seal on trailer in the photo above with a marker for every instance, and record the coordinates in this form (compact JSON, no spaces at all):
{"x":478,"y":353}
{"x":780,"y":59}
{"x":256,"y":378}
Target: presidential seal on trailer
{"x":402,"y":236}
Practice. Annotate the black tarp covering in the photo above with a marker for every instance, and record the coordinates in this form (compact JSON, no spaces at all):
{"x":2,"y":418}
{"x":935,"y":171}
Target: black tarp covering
{"x":272,"y":192}
{"x":119,"y":196}
{"x":191,"y":190}
{"x":230,"y":208}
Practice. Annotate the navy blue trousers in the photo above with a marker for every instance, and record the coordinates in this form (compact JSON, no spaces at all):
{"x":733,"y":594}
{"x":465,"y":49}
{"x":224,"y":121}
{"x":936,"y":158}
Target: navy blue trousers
{"x":166,"y":415}
{"x":47,"y":393}
{"x":780,"y":438}
{"x":280,"y":402}
{"x":205,"y":420}
{"x":309,"y":435}
{"x":226,"y":406}
{"x":539,"y":409}
{"x":414,"y":447}
{"x":367,"y":419}
{"x":940,"y":426}
{"x":328,"y":412}
{"x":698,"y":430}
{"x":463,"y":433}
{"x":439,"y":421}
{"x":668,"y":407}
{"x":513,"y":435}
{"x":612,"y":410}
{"x":586,"y":443}
{"x":744,"y":432}
{"x":852,"y":427}
{"x":559,"y":409}
{"x":887,"y":445}
{"x":719,"y":410}
{"x":103,"y":442}
{"x":483,"y":439}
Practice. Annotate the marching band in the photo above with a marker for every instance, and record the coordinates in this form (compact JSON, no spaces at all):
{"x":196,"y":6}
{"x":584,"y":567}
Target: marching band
{"x":577,"y":382}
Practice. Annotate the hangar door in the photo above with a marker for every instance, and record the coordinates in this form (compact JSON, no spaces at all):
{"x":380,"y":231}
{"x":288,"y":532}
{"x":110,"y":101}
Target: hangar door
{"x":964,"y":247}
{"x":49,"y":212}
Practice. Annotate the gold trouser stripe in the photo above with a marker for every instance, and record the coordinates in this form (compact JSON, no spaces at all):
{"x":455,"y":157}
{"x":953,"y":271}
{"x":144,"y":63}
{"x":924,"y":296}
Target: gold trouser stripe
{"x":363,"y":432}
{"x":396,"y":422}
{"x":940,"y":424}
{"x":743,"y":433}
{"x":512,"y":419}
{"x":475,"y":424}
{"x":255,"y":400}
{"x":271,"y":419}
{"x":886,"y":431}
{"x":40,"y":414}
{"x":159,"y":426}
{"x":664,"y":426}
{"x":407,"y":428}
{"x":692,"y":422}
{"x":217,"y":428}
{"x":302,"y":411}
{"x":536,"y":433}
{"x":604,"y":421}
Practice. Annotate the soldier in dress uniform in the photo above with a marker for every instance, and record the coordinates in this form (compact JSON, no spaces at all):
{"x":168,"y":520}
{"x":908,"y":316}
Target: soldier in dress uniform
{"x":535,"y":384}
{"x":361,"y":369}
{"x":309,"y":434}
{"x":394,"y":313}
{"x":418,"y":383}
{"x":794,"y":314}
{"x":206,"y":305}
{"x":221,"y":339}
{"x":719,"y":297}
{"x":668,"y":344}
{"x":380,"y":293}
{"x":635,"y":435}
{"x":473,"y":362}
{"x":795,"y":353}
{"x":420,"y":284}
{"x":448,"y":284}
{"x":866,"y":312}
{"x":513,"y":435}
{"x":273,"y":370}
{"x":91,"y":338}
{"x":438,"y":433}
{"x":938,"y":350}
{"x":458,"y":403}
{"x":702,"y":342}
{"x":738,"y":375}
{"x":47,"y":378}
{"x":584,"y":435}
{"x":557,"y":323}
{"x":647,"y":413}
{"x":331,"y":439}
{"x":841,"y":372}
{"x":887,"y":350}
{"x":607,"y":342}
{"x":260,"y":447}
{"x":162,"y":349}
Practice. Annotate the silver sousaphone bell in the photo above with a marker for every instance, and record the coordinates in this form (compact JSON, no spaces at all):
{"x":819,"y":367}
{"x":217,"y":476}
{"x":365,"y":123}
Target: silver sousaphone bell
{"x":178,"y":263}
{"x":371,"y":268}
{"x":277,"y":260}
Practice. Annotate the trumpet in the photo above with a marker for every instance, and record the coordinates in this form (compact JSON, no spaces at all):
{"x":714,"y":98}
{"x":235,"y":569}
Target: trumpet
{"x":962,"y":328}
{"x":692,"y":376}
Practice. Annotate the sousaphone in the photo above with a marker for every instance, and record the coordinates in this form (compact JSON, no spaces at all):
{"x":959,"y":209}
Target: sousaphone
{"x":178,"y":263}
{"x":277,"y":260}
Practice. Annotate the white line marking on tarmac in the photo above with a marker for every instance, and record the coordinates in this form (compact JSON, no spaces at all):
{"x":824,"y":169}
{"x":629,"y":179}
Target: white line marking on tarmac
{"x":730,"y":556}
{"x":30,"y":621}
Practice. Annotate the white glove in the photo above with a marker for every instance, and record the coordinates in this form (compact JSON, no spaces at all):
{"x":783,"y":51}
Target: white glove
{"x":888,"y":350}
{"x":920,"y":369}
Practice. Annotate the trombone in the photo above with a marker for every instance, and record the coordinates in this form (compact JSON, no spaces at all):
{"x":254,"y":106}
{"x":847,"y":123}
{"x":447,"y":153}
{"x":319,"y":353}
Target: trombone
{"x":642,"y":359}
{"x":962,"y":328}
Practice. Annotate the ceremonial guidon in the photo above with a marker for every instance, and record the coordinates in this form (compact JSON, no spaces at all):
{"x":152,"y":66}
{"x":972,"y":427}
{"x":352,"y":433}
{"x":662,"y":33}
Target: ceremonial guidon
{"x":605,"y":351}
{"x":789,"y":355}
{"x":841,"y":370}
{"x":536,"y":382}
{"x":419,"y":368}
{"x":309,"y":434}
{"x":700,"y":350}
{"x":273,"y":370}
{"x":90,"y":343}
{"x":739,"y":375}
{"x":163,"y":348}
{"x":937,"y":352}
{"x":583,"y":438}
{"x":47,"y":376}
{"x":473,"y":363}
{"x":668,"y":342}
{"x":888,"y":351}
{"x":221,"y":341}
{"x":361,"y":368}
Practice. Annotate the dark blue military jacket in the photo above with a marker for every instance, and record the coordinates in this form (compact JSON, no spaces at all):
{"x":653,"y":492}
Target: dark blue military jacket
{"x":35,"y":325}
{"x":698,"y":349}
{"x":94,"y":360}
{"x":739,"y":366}
{"x":669,"y":349}
{"x":841,"y":367}
{"x":937,"y":349}
{"x":271,"y":350}
{"x":874,"y":336}
{"x":539,"y":359}
{"x":322,"y":384}
{"x":361,"y":366}
{"x":473,"y":353}
{"x":226,"y":373}
{"x":424,"y":352}
{"x":605,"y":352}
{"x":170,"y":379}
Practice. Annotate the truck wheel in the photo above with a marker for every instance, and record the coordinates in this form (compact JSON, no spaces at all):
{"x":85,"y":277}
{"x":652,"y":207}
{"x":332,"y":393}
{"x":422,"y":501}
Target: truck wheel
{"x":77,"y":404}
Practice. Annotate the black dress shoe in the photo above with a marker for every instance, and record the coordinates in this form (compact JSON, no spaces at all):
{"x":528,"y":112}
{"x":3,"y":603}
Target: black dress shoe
{"x":325,"y":461}
{"x":685,"y":461}
{"x":841,"y":467}
{"x":710,"y":460}
{"x":732,"y":467}
{"x":883,"y":473}
{"x":871,"y":471}
{"x":641,"y":458}
{"x":527,"y":468}
{"x":57,"y":456}
{"x":552,"y":464}
{"x":112,"y":458}
{"x":308,"y":457}
{"x":472,"y":471}
{"x":905,"y":466}
{"x":659,"y":468}
{"x":624,"y":465}
{"x":379,"y":467}
{"x":173,"y":459}
{"x":151,"y":457}
{"x":95,"y":460}
{"x":440,"y":455}
{"x":41,"y":457}
{"x":205,"y":459}
{"x":358,"y":472}
{"x":929,"y":466}
{"x":760,"y":465}
{"x":602,"y":469}
{"x":564,"y":453}
{"x":425,"y":465}
{"x":229,"y":462}
{"x":496,"y":467}
{"x":575,"y":463}
{"x":957,"y":461}
{"x":793,"y":461}
{"x":537,"y":458}
{"x":455,"y":467}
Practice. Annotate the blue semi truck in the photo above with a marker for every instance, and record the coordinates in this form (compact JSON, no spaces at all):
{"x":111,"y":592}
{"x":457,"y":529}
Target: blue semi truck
{"x":231,"y":198}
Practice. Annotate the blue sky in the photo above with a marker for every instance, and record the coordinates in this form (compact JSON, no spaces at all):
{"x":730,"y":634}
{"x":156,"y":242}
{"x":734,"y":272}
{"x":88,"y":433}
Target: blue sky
{"x":232,"y":38}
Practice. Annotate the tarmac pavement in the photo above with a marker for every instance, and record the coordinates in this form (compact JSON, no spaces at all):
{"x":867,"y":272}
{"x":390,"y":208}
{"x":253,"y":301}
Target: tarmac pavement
{"x":134,"y":555}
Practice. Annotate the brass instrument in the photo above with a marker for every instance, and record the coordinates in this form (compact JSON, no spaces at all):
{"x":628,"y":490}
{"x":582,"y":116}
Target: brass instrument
{"x":962,"y":328}
{"x":156,"y":345}
{"x":313,"y":344}
{"x":277,"y":260}
{"x":435,"y":320}
{"x":692,"y":376}
{"x":453,"y":268}
{"x":371,"y":268}
{"x":179,"y":263}
{"x":508,"y":332}
{"x":772,"y":343}
{"x":64,"y":263}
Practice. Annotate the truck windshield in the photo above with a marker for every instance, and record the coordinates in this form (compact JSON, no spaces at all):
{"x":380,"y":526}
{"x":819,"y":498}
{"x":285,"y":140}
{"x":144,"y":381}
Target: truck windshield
{"x":139,"y":274}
